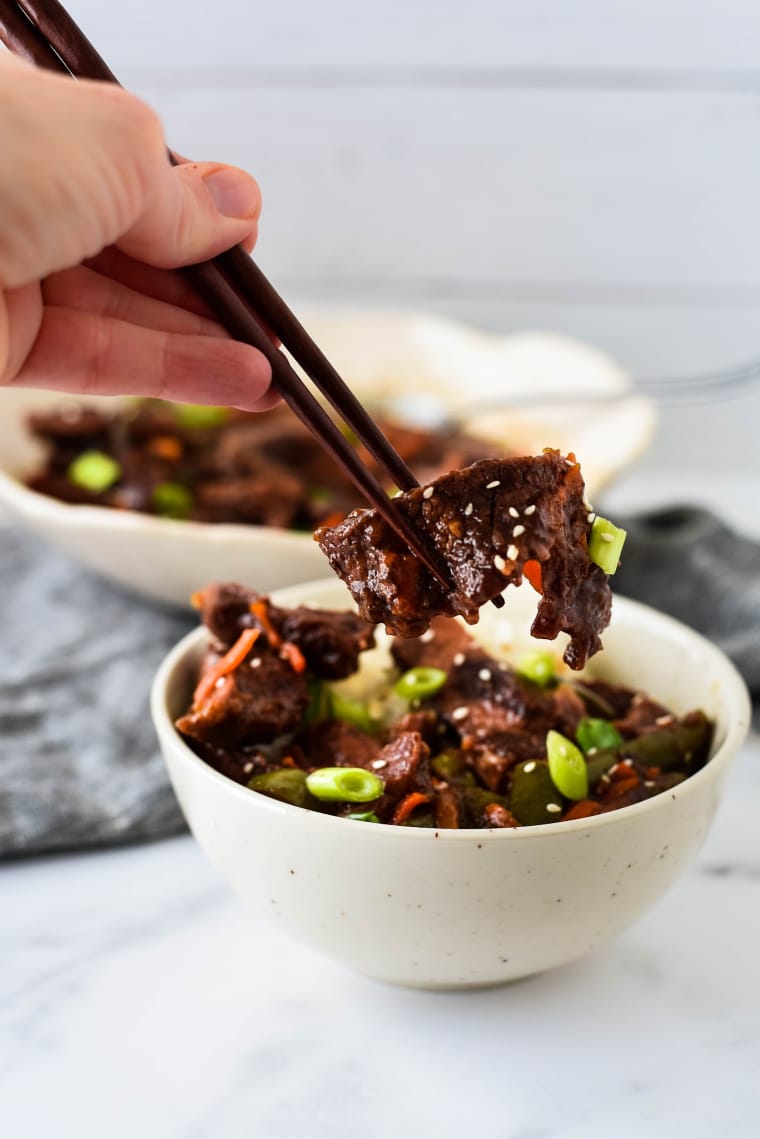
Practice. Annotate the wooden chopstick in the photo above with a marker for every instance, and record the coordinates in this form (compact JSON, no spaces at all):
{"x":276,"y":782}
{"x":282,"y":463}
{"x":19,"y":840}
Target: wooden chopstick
{"x":25,"y":25}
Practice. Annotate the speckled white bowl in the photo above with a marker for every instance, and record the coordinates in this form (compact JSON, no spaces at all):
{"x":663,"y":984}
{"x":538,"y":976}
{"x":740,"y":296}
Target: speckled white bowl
{"x":453,"y":909}
{"x":385,"y":357}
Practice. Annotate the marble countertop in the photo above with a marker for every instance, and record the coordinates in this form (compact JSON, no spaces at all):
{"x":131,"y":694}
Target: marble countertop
{"x":141,"y":1000}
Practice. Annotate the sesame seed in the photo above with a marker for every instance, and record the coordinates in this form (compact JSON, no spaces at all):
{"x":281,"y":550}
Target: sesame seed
{"x":460,"y":713}
{"x":606,"y":537}
{"x":378,"y":764}
{"x":427,"y":492}
{"x":553,"y":808}
{"x":587,"y":506}
{"x":661,"y":721}
{"x":530,"y":766}
{"x":491,"y":485}
{"x":590,"y":517}
{"x":499,"y":562}
{"x":468,"y":509}
{"x":513,"y":513}
{"x":530,"y":509}
{"x":485,"y":674}
{"x":605,"y":778}
{"x":220,"y":682}
{"x":518,"y":530}
{"x":248,"y":767}
{"x":459,"y":659}
{"x":649,"y":784}
{"x":628,"y":762}
{"x":427,"y":637}
{"x":256,"y":662}
{"x":512,"y":552}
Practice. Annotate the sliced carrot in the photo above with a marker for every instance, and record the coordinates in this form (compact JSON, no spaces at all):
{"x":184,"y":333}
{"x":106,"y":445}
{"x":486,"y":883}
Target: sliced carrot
{"x":225,"y":665}
{"x":259,"y":610}
{"x":532,"y":570}
{"x":407,"y":805}
{"x":293,"y":655}
{"x":582,"y":810}
{"x":166,"y":447}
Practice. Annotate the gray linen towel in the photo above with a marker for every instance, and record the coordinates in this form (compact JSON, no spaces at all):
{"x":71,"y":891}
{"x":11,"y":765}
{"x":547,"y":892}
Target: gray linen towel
{"x":79,"y":763}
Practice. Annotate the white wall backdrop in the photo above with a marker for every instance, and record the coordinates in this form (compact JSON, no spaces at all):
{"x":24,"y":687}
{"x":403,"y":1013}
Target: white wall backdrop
{"x":588,"y":166}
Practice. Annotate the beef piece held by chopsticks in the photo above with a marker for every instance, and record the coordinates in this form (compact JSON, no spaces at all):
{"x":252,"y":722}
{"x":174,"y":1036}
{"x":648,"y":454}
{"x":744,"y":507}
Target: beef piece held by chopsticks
{"x":486,"y":522}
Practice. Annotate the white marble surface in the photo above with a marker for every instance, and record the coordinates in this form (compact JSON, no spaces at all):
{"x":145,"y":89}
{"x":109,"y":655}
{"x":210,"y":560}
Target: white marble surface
{"x":141,"y":999}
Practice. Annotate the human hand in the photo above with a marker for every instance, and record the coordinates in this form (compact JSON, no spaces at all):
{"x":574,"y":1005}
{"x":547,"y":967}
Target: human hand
{"x":91,"y":216}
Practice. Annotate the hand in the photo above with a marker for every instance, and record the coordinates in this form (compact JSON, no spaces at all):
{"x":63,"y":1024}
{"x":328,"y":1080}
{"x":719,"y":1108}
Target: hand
{"x":91,"y":216}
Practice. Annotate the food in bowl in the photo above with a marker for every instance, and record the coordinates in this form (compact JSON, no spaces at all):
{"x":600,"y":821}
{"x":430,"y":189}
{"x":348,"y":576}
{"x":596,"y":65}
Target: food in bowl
{"x":213,"y":464}
{"x":455,"y":908}
{"x":492,"y":523}
{"x":442,"y":734}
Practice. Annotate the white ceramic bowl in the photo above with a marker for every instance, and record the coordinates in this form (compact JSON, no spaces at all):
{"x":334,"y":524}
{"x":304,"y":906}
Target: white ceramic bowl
{"x":453,"y":909}
{"x":384,"y":357}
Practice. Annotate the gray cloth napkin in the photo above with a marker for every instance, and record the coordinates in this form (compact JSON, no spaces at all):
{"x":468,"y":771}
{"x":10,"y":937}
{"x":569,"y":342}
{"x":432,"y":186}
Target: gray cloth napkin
{"x":79,"y":763}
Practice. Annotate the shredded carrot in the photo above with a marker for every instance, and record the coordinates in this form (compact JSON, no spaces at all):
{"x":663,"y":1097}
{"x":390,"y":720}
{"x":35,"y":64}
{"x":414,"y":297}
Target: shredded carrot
{"x":532,"y":570}
{"x":196,"y":599}
{"x":582,"y":810}
{"x":293,"y":655}
{"x":620,"y":789}
{"x":288,"y":761}
{"x":166,"y":447}
{"x":226,"y":664}
{"x":259,"y":610}
{"x":407,"y":805}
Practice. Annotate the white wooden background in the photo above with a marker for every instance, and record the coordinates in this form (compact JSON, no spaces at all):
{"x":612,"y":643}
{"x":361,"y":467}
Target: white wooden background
{"x":589,"y":166}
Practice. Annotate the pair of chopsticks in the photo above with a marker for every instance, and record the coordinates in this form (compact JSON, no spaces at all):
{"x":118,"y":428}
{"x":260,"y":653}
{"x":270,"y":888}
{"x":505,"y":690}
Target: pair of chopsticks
{"x":240,"y":295}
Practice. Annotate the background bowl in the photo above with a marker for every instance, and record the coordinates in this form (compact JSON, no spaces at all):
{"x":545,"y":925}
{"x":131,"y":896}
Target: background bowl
{"x":384,"y":357}
{"x":454,"y":909}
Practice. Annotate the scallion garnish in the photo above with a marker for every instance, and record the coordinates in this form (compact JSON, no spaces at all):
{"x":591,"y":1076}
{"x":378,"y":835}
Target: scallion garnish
{"x":605,"y":544}
{"x":344,"y":785}
{"x":567,"y":766}
{"x":95,"y":471}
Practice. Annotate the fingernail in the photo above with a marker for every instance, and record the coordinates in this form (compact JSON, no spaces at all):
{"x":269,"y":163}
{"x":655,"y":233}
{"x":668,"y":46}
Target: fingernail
{"x":235,"y":194}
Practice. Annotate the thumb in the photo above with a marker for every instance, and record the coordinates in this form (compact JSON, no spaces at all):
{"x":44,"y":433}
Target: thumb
{"x":192,"y":212}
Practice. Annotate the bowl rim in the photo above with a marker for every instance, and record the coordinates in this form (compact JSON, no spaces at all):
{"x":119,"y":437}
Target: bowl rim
{"x":735,"y":696}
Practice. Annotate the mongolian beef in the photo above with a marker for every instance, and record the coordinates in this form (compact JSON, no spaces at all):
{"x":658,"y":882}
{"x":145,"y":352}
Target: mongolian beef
{"x":212,"y":464}
{"x":492,"y":523}
{"x":443,"y":736}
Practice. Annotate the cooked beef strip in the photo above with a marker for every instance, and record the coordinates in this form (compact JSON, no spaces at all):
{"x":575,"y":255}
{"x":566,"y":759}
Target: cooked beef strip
{"x":253,"y":703}
{"x":330,"y":641}
{"x":405,"y":769}
{"x":465,"y":515}
{"x":335,"y":743}
{"x":425,"y":722}
{"x":437,"y":648}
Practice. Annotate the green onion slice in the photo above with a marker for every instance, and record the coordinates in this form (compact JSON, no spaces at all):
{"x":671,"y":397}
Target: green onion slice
{"x":344,"y":785}
{"x":199,"y":415}
{"x":95,"y":471}
{"x":567,"y":766}
{"x":363,"y":817}
{"x":171,"y":500}
{"x":344,"y":708}
{"x":594,"y":734}
{"x":537,"y":665}
{"x":420,"y":682}
{"x":606,"y":544}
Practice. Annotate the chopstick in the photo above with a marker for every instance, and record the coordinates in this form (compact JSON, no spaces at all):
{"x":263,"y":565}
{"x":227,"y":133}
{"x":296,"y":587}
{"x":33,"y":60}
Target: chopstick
{"x":236,"y":290}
